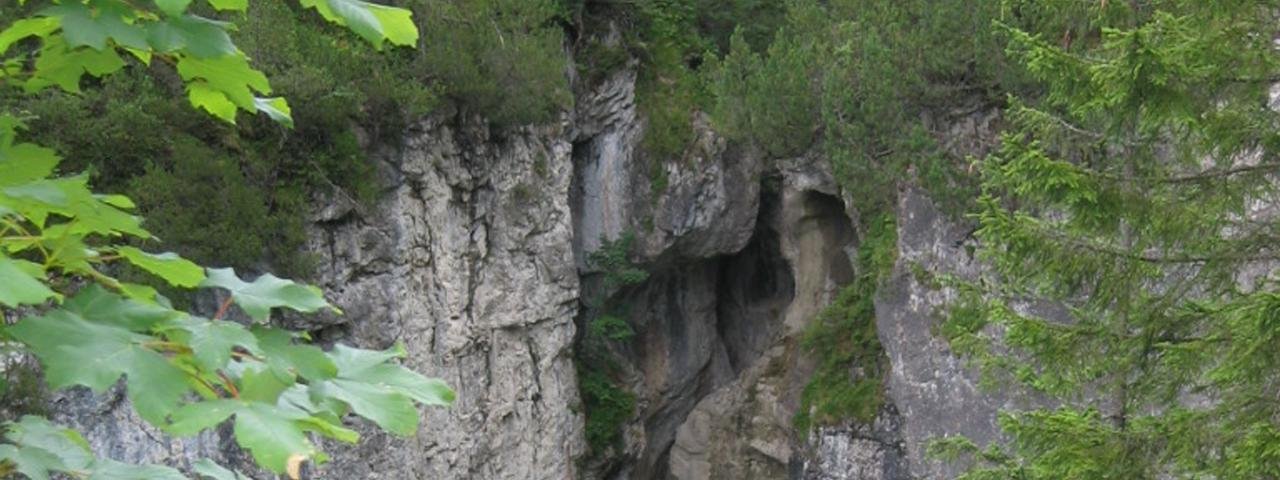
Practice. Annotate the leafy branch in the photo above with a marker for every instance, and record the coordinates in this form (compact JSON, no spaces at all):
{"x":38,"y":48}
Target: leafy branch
{"x":184,"y":374}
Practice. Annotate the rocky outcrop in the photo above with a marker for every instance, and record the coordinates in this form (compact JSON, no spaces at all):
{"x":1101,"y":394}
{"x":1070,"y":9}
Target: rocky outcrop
{"x":475,"y":258}
{"x":467,"y":261}
{"x":935,"y":392}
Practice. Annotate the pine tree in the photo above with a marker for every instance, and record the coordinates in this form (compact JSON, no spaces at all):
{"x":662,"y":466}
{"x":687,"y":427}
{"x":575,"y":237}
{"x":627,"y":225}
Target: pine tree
{"x":1136,"y":195}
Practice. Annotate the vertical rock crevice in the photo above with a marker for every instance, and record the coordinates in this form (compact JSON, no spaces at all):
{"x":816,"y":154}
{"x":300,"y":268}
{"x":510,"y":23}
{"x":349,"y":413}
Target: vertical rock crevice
{"x":699,"y":323}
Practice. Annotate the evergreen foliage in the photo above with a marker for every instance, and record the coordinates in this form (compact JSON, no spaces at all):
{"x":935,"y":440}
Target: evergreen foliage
{"x":1133,"y":194}
{"x":854,"y":79}
{"x":848,"y":382}
{"x":502,"y":59}
{"x":607,"y":402}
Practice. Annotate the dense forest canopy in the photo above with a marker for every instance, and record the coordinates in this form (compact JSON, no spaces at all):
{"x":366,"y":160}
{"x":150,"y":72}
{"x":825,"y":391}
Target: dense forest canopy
{"x":1131,"y":189}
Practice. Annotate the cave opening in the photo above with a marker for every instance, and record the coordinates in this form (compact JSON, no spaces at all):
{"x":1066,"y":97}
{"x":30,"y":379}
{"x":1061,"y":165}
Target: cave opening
{"x":699,"y":323}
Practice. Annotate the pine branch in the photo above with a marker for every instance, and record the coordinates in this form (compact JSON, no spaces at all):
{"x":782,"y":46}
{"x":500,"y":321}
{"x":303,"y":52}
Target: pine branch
{"x":1113,"y":251}
{"x":1222,"y":173}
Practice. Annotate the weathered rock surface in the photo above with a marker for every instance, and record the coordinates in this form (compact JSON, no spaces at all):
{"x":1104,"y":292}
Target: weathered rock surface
{"x":476,"y":259}
{"x":467,"y":261}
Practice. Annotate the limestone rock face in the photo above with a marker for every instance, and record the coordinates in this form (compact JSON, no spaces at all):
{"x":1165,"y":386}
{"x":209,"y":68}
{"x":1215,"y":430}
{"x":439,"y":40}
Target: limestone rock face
{"x":467,"y":261}
{"x":935,"y":392}
{"x":476,"y":259}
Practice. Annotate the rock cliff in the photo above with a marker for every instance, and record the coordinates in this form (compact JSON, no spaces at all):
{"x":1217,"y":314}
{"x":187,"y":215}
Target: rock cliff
{"x":475,"y":257}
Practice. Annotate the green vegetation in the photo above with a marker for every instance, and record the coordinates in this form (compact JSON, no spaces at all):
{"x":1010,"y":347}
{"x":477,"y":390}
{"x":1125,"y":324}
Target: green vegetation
{"x":607,"y":402}
{"x":501,"y":59}
{"x":61,"y":245}
{"x":1127,"y":191}
{"x":1138,"y":141}
{"x":848,"y":382}
{"x":860,"y":81}
{"x":22,"y":392}
{"x":613,"y":260}
{"x":136,"y":134}
{"x":857,"y":79}
{"x":608,"y":407}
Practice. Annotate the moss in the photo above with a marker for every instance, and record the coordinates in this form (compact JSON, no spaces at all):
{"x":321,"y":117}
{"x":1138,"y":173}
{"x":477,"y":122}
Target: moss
{"x":848,"y":381}
{"x":658,"y":177}
{"x":597,"y":60}
{"x":523,"y":194}
{"x":540,"y":166}
{"x":22,"y":392}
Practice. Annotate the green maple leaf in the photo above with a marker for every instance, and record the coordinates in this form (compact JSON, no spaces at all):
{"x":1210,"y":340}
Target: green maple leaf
{"x":37,"y":447}
{"x":264,"y":384}
{"x":267,"y":292}
{"x":27,"y":27}
{"x":35,"y":463}
{"x":210,"y":100}
{"x":172,"y":268}
{"x":229,"y":74}
{"x":70,"y":197}
{"x":62,"y":65}
{"x":276,"y":108}
{"x":381,"y":391}
{"x":374,"y":366}
{"x":24,"y":163}
{"x":284,"y":355}
{"x":79,"y":26}
{"x":193,"y":35}
{"x":96,"y":304}
{"x":232,"y":5}
{"x":21,"y":287}
{"x":387,"y":407}
{"x":173,"y":7}
{"x":194,"y":418}
{"x":212,"y":341}
{"x":107,"y":469}
{"x":76,"y":351}
{"x":206,"y":468}
{"x":271,"y":438}
{"x":271,"y":434}
{"x":375,"y":23}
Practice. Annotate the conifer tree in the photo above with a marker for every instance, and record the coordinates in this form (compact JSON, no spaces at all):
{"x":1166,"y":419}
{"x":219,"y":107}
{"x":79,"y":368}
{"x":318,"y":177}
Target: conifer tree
{"x":1128,"y":221}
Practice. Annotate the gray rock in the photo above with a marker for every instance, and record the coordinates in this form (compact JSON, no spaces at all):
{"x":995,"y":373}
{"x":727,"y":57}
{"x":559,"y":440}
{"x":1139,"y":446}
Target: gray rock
{"x":475,"y":258}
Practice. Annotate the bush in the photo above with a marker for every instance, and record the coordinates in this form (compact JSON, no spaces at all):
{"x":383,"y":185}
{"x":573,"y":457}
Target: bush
{"x":859,"y":76}
{"x":502,"y":59}
{"x":204,"y":203}
{"x":608,"y":407}
{"x":766,"y":99}
{"x":606,"y":401}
